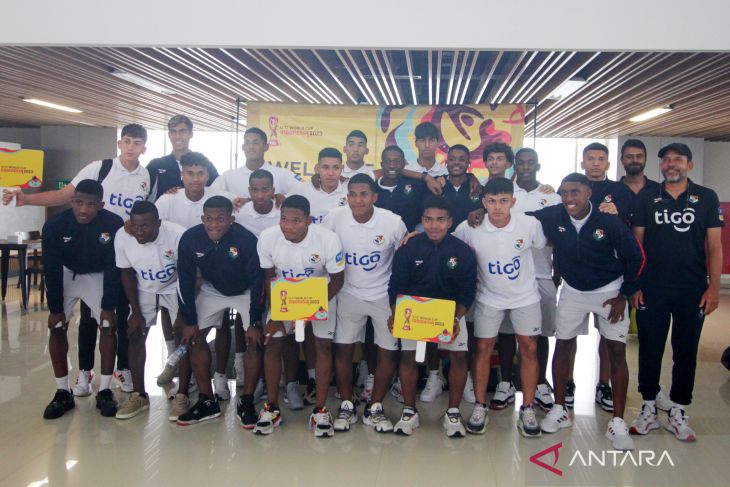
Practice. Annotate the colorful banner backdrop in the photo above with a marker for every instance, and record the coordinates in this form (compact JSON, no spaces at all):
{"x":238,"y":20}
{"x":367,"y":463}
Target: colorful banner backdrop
{"x":298,"y":132}
{"x":424,"y":319}
{"x":22,"y":168}
{"x":299,"y":299}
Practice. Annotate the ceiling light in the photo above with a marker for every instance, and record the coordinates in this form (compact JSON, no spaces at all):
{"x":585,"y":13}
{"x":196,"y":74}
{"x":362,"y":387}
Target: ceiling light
{"x":140,"y":81}
{"x":642,"y":117}
{"x":48,"y":104}
{"x":567,"y":88}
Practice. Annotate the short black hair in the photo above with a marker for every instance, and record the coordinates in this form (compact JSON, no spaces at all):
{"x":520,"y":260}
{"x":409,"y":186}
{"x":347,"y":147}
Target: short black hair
{"x":393,"y":148}
{"x":257,"y":131}
{"x":91,"y":187}
{"x":195,"y":159}
{"x":460,"y":147}
{"x":576,"y":177}
{"x":144,"y":208}
{"x":177,"y":120}
{"x":595,"y":146}
{"x":329,"y":152}
{"x":297,"y":202}
{"x":525,"y":149}
{"x":635,"y":143}
{"x":135,"y":130}
{"x":438,"y":202}
{"x":218,"y":203}
{"x":498,"y":186}
{"x":426,"y":130}
{"x":357,"y":133}
{"x":361,"y":178}
{"x":261,"y":174}
{"x":497,"y":147}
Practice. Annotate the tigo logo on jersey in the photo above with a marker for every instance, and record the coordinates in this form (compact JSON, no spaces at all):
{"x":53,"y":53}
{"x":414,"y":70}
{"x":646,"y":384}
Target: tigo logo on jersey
{"x":510,"y":269}
{"x":680,"y":220}
{"x":608,"y":198}
{"x":315,"y":258}
{"x":66,"y":239}
{"x":520,"y":244}
{"x":164,"y":275}
{"x":452,"y":262}
{"x":117,"y":199}
{"x":169,"y":254}
{"x":367,"y":261}
{"x":599,"y":234}
{"x":378,"y":240}
{"x":693,"y":198}
{"x":233,"y":252}
{"x":104,"y":238}
{"x":199,"y":254}
{"x":407,"y":189}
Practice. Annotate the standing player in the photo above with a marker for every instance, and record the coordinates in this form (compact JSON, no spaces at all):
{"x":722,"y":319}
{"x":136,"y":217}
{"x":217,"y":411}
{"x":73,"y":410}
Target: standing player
{"x":78,"y":263}
{"x":396,"y":192}
{"x":680,"y":228}
{"x":356,"y":148}
{"x":147,"y":262}
{"x":331,"y":193}
{"x":296,"y":248}
{"x":225,"y":255}
{"x":456,"y":186}
{"x":369,"y":237}
{"x":507,"y":286}
{"x":600,"y":262}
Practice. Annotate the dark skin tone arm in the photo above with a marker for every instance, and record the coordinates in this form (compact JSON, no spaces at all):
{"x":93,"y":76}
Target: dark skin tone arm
{"x":136,"y":323}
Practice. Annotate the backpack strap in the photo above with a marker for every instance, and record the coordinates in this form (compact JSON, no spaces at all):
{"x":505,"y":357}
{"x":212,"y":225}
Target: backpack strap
{"x":106,"y":166}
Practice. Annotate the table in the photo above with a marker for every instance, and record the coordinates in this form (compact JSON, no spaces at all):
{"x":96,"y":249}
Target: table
{"x":7,"y":245}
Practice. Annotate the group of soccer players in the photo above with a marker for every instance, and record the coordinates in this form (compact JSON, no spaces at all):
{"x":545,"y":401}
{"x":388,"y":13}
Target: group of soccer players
{"x":203,"y":249}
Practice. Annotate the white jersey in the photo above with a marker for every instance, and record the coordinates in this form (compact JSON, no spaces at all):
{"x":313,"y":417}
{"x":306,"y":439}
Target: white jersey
{"x":318,"y":255}
{"x":121,"y":187}
{"x":255,"y":222}
{"x":369,"y":248}
{"x":321,"y":202}
{"x":533,"y":201}
{"x":505,"y":268}
{"x":364,"y":169}
{"x":436,"y":170}
{"x":155,"y":263}
{"x":177,"y":208}
{"x":236,"y":180}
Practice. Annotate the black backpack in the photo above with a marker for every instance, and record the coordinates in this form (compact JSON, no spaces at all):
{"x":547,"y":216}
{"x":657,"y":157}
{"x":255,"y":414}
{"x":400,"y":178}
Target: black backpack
{"x":106,"y":166}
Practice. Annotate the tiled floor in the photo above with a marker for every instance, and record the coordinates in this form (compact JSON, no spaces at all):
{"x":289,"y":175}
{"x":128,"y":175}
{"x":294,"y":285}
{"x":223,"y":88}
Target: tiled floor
{"x":84,"y":449}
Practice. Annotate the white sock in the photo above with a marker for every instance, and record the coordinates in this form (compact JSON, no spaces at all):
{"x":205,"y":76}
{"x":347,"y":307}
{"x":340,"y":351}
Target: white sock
{"x":683,"y":407}
{"x":218,"y":375}
{"x":433,"y":372}
{"x":62,"y":383}
{"x":310,"y":373}
{"x":170,"y":344}
{"x":238,"y":358}
{"x":105,"y":382}
{"x":651,"y":404}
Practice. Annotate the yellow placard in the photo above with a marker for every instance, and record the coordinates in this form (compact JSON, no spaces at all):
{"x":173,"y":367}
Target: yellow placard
{"x":424,"y":319}
{"x":297,"y":132}
{"x":299,"y":299}
{"x":21,"y":167}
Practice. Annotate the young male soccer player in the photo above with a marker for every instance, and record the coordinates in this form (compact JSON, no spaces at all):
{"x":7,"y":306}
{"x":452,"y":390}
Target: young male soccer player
{"x":356,"y":148}
{"x":400,"y":194}
{"x":331,"y":193}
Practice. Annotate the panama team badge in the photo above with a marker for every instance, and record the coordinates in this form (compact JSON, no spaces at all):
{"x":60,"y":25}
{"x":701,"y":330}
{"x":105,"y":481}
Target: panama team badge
{"x":452,"y":262}
{"x":233,"y":252}
{"x":105,"y":238}
{"x":599,"y":234}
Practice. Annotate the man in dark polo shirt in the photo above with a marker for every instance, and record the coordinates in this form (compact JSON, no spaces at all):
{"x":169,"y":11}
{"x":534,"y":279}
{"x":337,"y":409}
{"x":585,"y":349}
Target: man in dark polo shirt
{"x":397,"y":193}
{"x":456,"y":186}
{"x":676,"y":224}
{"x":633,"y":158}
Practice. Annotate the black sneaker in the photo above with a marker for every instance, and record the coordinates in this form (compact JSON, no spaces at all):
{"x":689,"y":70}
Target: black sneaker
{"x":106,"y":403}
{"x":604,"y":397}
{"x":310,"y":397}
{"x":246,"y":412}
{"x":570,"y":395}
{"x":206,"y":408}
{"x":63,"y":401}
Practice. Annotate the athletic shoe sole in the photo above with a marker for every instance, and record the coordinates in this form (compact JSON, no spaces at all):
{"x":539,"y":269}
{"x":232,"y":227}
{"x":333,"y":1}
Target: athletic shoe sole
{"x":654,"y":426}
{"x":500,"y":406}
{"x":324,"y":433}
{"x":265,"y":431}
{"x":476,"y":430}
{"x":196,"y":421}
{"x":688,"y":438}
{"x":544,"y":406}
{"x":563,"y":425}
{"x":528,"y":434}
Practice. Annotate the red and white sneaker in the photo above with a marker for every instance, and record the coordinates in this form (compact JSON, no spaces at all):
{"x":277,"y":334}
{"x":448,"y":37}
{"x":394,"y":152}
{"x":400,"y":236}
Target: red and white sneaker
{"x":678,"y":424}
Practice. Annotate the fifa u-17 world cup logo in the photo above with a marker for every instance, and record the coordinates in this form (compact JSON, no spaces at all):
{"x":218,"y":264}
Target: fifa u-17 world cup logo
{"x":273,"y":136}
{"x":283,"y":307}
{"x":407,"y":319}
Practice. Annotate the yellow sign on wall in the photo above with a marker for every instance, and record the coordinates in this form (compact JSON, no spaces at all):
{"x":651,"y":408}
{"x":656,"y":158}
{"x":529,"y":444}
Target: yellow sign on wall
{"x":299,"y":299}
{"x":21,"y":167}
{"x":298,"y":132}
{"x":424,"y":319}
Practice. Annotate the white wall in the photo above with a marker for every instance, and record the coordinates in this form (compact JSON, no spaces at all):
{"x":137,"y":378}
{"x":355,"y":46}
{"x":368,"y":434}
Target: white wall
{"x":717,"y":168}
{"x":468,"y":24}
{"x":653,"y":144}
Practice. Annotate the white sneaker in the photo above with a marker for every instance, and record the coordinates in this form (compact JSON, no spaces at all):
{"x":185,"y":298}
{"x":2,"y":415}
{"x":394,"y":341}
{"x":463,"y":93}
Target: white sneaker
{"x":663,"y":402}
{"x":220,"y":388}
{"x":678,"y":424}
{"x":604,"y":397}
{"x":268,"y":420}
{"x":503,"y":396}
{"x":477,"y":424}
{"x":239,"y":370}
{"x":320,"y":421}
{"x":362,"y":373}
{"x":367,"y":389}
{"x":396,"y":392}
{"x":557,"y":418}
{"x":124,"y":376}
{"x":618,"y":433}
{"x":82,"y":388}
{"x":346,"y":416}
{"x":452,"y":423}
{"x":435,"y":385}
{"x":645,"y":422}
{"x":468,"y":395}
{"x":375,"y":416}
{"x":544,"y":397}
{"x":293,"y":398}
{"x":409,"y":421}
{"x":527,"y":423}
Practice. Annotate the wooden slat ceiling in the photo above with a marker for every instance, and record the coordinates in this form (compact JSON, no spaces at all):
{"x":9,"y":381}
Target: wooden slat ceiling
{"x":207,"y":82}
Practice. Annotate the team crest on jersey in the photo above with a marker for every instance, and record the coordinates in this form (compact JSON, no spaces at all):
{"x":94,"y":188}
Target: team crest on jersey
{"x":407,"y":189}
{"x":161,"y":171}
{"x":599,"y":234}
{"x":608,"y":198}
{"x":169,"y":254}
{"x":542,"y":202}
{"x":343,"y":201}
{"x":452,"y":262}
{"x":66,"y":239}
{"x":143,"y":185}
{"x":378,"y":240}
{"x":561,"y":229}
{"x":199,"y":254}
{"x":105,"y":238}
{"x":315,"y":258}
{"x":693,"y":198}
{"x":520,"y":244}
{"x":233,"y":252}
{"x":657,"y":200}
